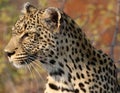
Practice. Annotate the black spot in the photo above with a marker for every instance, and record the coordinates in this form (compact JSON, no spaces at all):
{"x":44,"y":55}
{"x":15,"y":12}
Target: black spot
{"x":40,"y":37}
{"x":73,"y":22}
{"x":66,"y":89}
{"x":57,"y":42}
{"x":83,"y":46}
{"x":88,"y":67}
{"x":76,"y":50}
{"x":92,"y":92}
{"x":105,"y":60}
{"x":67,"y":48}
{"x":97,"y":77}
{"x":94,"y":53}
{"x":25,"y":26}
{"x":64,"y":34}
{"x":100,"y":90}
{"x":51,"y":52}
{"x":78,"y":76}
{"x":101,"y":62}
{"x":104,"y":55}
{"x":86,"y":42}
{"x":65,"y":83}
{"x":98,"y":55}
{"x":69,"y":68}
{"x":69,"y":77}
{"x":89,"y":51}
{"x":81,"y":85}
{"x":74,"y":78}
{"x":77,"y":44}
{"x":76,"y":91}
{"x":91,"y":63}
{"x":86,"y":82}
{"x":42,"y":61}
{"x":100,"y":70}
{"x":72,"y":26}
{"x":82,"y":75}
{"x":61,"y":20}
{"x":61,"y":64}
{"x":77,"y":59}
{"x":57,"y":49}
{"x":56,"y":57}
{"x":65,"y":59}
{"x":59,"y":72}
{"x":80,"y":67}
{"x":111,"y":64}
{"x":78,"y":30}
{"x":87,"y":55}
{"x":96,"y":86}
{"x":80,"y":38}
{"x":94,"y":70}
{"x":71,"y":58}
{"x":66,"y":21}
{"x":52,"y":61}
{"x":89,"y":80}
{"x":49,"y":55}
{"x":73,"y":42}
{"x":53,"y":86}
{"x":66,"y":40}
{"x":94,"y":59}
{"x":102,"y":79}
{"x":61,"y":41}
{"x":82,"y":55}
{"x":104,"y":86}
{"x":75,"y":65}
{"x":62,"y":47}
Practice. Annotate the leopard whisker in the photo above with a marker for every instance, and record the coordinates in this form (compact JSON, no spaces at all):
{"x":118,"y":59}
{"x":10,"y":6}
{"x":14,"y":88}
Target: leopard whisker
{"x":38,"y":67}
{"x":28,"y":67}
{"x":32,"y":64}
{"x":35,"y":77}
{"x":36,"y":62}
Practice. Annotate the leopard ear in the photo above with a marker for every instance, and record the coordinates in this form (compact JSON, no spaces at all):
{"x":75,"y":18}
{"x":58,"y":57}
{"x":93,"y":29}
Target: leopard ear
{"x":52,"y":17}
{"x":27,"y":8}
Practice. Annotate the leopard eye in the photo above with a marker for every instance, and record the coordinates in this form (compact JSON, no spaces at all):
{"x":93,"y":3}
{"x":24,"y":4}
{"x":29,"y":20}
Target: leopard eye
{"x":25,"y":26}
{"x":25,"y":35}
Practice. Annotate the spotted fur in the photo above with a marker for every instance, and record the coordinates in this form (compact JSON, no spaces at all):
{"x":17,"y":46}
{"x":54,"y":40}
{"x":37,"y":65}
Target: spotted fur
{"x":72,"y":63}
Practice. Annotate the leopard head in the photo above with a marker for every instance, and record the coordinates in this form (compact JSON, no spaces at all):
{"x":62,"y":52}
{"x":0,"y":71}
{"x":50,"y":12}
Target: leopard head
{"x":33,"y":35}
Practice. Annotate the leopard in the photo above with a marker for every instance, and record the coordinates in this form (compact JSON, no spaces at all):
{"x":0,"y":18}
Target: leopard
{"x":58,"y":43}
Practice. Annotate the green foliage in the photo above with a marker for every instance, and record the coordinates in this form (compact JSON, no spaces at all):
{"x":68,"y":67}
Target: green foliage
{"x":7,"y":12}
{"x":42,"y":3}
{"x":2,"y":2}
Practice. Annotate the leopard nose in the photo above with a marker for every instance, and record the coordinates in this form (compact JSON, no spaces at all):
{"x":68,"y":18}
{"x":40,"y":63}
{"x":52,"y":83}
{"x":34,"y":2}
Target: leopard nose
{"x":9,"y":54}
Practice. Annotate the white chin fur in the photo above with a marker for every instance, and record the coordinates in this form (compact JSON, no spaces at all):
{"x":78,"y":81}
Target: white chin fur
{"x":18,"y":65}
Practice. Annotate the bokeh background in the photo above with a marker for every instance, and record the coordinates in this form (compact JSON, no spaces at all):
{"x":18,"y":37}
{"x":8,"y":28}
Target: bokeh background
{"x":99,"y":19}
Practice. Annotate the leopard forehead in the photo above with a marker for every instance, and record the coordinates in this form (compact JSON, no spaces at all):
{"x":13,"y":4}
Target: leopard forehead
{"x":27,"y":22}
{"x":50,"y":18}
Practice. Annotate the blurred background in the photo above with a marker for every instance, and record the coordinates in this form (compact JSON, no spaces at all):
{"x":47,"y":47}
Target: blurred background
{"x":97,"y":18}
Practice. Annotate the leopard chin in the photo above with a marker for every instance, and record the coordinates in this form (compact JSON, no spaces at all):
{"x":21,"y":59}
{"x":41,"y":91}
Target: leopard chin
{"x":22,"y":61}
{"x":17,"y":65}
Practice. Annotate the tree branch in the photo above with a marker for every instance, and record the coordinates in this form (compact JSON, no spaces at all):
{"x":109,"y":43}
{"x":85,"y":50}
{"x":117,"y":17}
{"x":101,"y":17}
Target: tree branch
{"x":63,"y":2}
{"x":116,"y":31}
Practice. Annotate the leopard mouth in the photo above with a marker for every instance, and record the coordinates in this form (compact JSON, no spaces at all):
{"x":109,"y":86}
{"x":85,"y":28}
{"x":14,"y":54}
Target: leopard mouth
{"x":24,"y":61}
